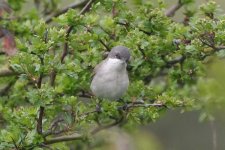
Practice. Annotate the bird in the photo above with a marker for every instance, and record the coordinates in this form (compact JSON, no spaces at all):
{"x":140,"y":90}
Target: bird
{"x":110,"y":80}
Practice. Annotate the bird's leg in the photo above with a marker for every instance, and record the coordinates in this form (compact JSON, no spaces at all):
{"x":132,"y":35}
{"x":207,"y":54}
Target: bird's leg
{"x":98,"y":106}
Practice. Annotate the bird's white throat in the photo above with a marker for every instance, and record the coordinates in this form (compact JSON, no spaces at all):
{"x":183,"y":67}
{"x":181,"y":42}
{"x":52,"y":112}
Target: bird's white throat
{"x":114,"y":64}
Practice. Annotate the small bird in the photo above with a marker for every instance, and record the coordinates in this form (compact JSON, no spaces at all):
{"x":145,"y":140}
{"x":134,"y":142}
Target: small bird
{"x":110,"y":79}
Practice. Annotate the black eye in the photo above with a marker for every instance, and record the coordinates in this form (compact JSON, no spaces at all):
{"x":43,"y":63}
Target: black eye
{"x":117,"y":56}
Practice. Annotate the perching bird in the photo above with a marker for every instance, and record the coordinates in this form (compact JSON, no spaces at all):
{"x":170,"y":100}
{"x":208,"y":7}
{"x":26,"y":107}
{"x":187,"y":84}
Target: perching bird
{"x":110,"y":79}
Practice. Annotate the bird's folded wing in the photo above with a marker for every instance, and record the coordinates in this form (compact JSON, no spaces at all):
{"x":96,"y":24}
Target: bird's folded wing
{"x":97,"y":67}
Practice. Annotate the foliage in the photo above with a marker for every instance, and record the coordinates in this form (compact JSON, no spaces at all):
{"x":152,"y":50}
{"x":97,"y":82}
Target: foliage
{"x":49,"y":97}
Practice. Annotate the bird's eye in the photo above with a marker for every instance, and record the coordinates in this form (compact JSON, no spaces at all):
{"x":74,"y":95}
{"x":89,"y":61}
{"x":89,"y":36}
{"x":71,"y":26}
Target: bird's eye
{"x":117,"y":56}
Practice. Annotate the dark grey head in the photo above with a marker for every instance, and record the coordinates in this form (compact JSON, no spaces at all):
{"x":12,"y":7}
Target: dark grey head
{"x":120,"y":52}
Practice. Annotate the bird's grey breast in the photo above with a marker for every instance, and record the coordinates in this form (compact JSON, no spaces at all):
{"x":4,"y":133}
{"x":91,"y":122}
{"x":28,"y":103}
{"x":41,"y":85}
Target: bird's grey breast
{"x":111,"y":79}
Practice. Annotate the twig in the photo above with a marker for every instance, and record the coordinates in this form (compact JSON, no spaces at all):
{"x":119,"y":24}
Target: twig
{"x":72,"y":6}
{"x":5,"y":90}
{"x":77,"y":136}
{"x":74,"y":136}
{"x":86,"y":7}
{"x":214,"y":136}
{"x":39,"y":83}
{"x":40,"y":118}
{"x":114,"y":10}
{"x":69,"y":30}
{"x":52,"y":77}
{"x":7,"y":72}
{"x":65,"y":49}
{"x":126,"y":24}
{"x":172,"y":10}
{"x":175,"y":61}
{"x":139,"y":104}
{"x":107,"y":126}
{"x":14,"y":143}
{"x":100,"y":40}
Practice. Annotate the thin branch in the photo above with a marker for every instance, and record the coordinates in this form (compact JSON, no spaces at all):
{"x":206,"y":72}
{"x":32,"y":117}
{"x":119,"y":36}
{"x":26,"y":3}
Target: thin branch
{"x":214,"y":135}
{"x":172,"y":10}
{"x":100,"y":40}
{"x":52,"y":77}
{"x":139,"y":104}
{"x":86,"y":7}
{"x":40,"y":118}
{"x":74,"y":5}
{"x":39,"y":83}
{"x":107,"y":126}
{"x":6,"y":89}
{"x":15,"y":145}
{"x":69,"y":30}
{"x":7,"y":72}
{"x":126,"y":24}
{"x":114,"y":10}
{"x":65,"y":49}
{"x":175,"y":61}
{"x":74,"y":136}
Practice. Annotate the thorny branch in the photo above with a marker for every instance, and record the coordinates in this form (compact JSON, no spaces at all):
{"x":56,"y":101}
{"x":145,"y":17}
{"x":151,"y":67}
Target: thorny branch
{"x":172,"y":10}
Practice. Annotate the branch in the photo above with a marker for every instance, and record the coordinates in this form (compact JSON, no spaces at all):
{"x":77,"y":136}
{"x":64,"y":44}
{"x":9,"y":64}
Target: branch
{"x":126,"y":24}
{"x":107,"y":126}
{"x":52,"y":77}
{"x":74,"y":136}
{"x":6,"y":89}
{"x":7,"y":72}
{"x":40,"y":118}
{"x":100,"y":40}
{"x":175,"y":61}
{"x":139,"y":104}
{"x":172,"y":10}
{"x":65,"y":49}
{"x":39,"y":82}
{"x":69,"y":30}
{"x":72,"y":6}
{"x":214,"y":134}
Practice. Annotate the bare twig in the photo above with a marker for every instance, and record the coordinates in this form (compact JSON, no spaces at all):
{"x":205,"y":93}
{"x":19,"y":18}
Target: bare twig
{"x":172,"y":10}
{"x":74,"y":136}
{"x":74,"y":5}
{"x":86,"y":7}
